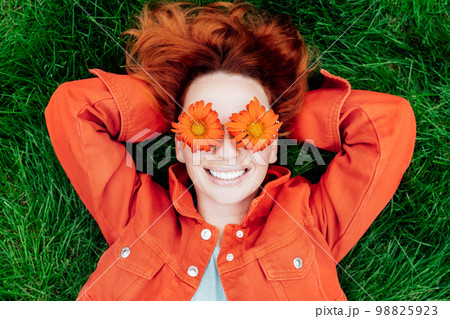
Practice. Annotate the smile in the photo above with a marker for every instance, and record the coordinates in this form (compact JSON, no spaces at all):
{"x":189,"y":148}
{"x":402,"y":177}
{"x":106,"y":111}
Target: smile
{"x":226,"y":177}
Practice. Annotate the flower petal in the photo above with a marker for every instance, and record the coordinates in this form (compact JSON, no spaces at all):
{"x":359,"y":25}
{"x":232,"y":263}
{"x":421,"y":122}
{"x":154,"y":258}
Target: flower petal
{"x":240,"y":136}
{"x":236,"y":126}
{"x":252,"y":110}
{"x":204,"y":112}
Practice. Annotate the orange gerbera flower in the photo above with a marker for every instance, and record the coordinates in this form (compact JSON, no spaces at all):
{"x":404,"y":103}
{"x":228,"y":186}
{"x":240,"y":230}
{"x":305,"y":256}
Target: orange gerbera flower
{"x":254,"y":128}
{"x":199,"y":128}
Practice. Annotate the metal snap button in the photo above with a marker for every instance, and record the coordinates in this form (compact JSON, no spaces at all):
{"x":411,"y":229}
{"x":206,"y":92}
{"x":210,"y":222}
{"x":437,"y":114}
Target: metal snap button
{"x":125,"y":252}
{"x":206,"y":234}
{"x":192,"y":271}
{"x":240,"y":234}
{"x":230,"y":257}
{"x":298,"y":262}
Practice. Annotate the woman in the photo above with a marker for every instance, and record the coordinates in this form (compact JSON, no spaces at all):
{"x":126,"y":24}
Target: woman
{"x":231,"y":226}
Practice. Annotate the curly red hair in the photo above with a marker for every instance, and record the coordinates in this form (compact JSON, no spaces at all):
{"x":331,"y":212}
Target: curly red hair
{"x":175,"y":42}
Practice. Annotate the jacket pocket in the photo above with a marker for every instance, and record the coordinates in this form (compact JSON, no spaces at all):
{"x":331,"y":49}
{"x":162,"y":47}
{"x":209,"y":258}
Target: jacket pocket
{"x":128,"y":270}
{"x":141,"y":263}
{"x":139,"y":259}
{"x":289,"y":262}
{"x":292,"y":270}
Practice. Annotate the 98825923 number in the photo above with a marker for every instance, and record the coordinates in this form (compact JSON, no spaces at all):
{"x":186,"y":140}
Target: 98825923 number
{"x":406,"y":311}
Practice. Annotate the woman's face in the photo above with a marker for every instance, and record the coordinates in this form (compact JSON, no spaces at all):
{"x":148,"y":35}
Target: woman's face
{"x":226,"y":174}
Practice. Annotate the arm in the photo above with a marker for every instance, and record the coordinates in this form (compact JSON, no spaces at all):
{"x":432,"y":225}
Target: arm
{"x":86,"y":121}
{"x":373,"y":134}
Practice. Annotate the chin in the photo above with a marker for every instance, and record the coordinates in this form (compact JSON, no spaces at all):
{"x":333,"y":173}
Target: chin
{"x":228,"y":198}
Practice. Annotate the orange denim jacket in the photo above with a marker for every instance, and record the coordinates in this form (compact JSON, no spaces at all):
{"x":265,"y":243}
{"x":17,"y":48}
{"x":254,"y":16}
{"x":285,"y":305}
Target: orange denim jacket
{"x":294,"y":232}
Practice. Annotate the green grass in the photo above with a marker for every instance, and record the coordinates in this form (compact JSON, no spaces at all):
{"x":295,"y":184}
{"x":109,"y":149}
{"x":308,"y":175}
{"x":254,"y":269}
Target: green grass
{"x":49,"y":244}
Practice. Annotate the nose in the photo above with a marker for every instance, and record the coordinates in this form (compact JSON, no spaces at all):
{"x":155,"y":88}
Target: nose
{"x":227,"y":150}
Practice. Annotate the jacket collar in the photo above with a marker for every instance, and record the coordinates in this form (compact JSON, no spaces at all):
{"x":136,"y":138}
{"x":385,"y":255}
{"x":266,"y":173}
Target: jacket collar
{"x":180,"y":188}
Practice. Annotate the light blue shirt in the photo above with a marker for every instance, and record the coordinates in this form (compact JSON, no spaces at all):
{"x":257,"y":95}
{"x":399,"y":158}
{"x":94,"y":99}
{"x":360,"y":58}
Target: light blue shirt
{"x":210,"y":287}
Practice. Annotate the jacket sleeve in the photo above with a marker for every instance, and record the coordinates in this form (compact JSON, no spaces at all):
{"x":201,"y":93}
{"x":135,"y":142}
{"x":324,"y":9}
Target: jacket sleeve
{"x":374,"y":139}
{"x":84,"y":121}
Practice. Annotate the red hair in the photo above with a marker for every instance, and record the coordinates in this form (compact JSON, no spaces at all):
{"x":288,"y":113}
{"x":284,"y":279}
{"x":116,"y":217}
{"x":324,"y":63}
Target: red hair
{"x":175,"y":42}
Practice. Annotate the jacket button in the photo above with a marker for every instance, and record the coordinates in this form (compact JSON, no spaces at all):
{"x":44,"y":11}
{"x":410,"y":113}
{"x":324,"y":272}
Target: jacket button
{"x":192,"y":271}
{"x":206,"y":234}
{"x":125,"y":252}
{"x":240,"y":234}
{"x":230,"y":257}
{"x":298,"y":262}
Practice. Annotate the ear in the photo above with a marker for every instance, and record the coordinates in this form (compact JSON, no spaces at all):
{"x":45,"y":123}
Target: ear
{"x":179,"y":150}
{"x":273,"y":151}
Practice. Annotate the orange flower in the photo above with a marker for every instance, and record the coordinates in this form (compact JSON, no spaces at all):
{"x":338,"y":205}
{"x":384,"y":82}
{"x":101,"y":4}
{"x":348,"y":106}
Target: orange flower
{"x":254,"y":128}
{"x":199,"y":127}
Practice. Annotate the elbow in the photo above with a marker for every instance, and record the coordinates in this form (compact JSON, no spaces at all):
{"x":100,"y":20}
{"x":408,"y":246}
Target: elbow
{"x":57,"y":113}
{"x":55,"y":104}
{"x":60,"y":106}
{"x":405,"y":133}
{"x":406,"y":113}
{"x":407,"y":125}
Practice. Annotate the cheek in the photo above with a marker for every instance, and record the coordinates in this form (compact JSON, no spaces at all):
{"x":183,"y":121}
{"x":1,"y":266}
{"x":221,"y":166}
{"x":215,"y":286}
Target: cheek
{"x":193,"y":163}
{"x":262,"y":158}
{"x":260,"y":174}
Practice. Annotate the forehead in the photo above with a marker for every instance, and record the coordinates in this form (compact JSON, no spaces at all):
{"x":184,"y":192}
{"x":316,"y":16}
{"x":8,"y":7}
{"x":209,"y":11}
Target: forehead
{"x":228,"y":93}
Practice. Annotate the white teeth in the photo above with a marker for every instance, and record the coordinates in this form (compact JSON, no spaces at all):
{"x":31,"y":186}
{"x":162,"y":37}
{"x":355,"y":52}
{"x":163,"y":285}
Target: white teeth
{"x":227,"y":175}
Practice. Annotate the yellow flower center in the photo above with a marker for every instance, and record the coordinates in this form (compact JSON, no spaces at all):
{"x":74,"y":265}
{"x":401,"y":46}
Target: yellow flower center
{"x":255,"y":129}
{"x":198,"y":128}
